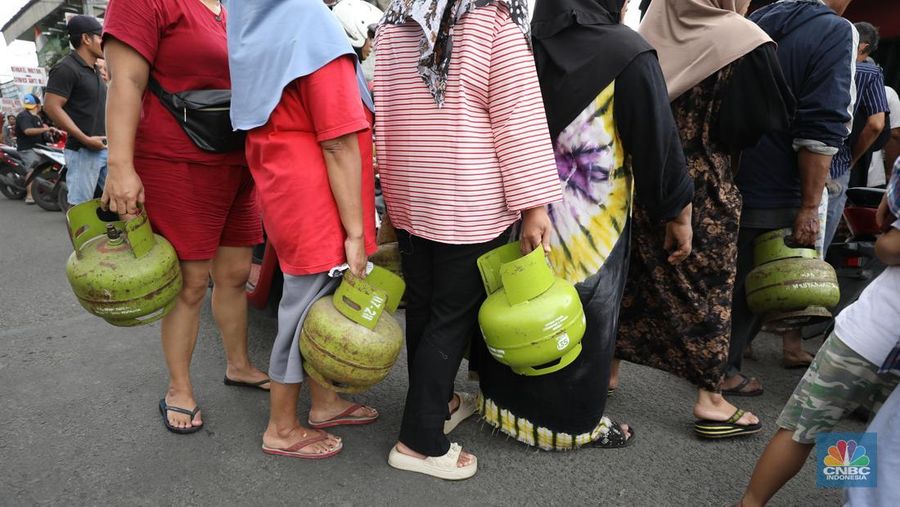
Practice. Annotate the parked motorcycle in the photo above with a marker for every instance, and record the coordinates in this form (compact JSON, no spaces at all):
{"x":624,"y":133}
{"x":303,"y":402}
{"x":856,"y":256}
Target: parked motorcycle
{"x":854,"y":258}
{"x":12,"y":173}
{"x":49,"y":178}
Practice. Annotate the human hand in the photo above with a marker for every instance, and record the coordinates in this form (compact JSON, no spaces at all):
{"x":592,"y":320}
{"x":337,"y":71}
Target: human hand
{"x":95,"y":143}
{"x":536,"y":228}
{"x":123,"y":192}
{"x":806,"y":227}
{"x":679,"y":236}
{"x":355,"y":251}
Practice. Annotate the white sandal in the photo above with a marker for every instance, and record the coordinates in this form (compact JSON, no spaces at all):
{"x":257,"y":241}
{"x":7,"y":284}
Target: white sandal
{"x":442,"y":467}
{"x":465,"y":410}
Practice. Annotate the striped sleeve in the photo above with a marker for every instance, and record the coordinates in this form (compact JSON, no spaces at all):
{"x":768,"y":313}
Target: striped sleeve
{"x":872,"y":96}
{"x":518,"y":122}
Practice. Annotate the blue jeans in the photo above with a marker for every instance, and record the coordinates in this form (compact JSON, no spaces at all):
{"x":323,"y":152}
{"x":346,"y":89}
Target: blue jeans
{"x":86,"y":170}
{"x":837,"y":198}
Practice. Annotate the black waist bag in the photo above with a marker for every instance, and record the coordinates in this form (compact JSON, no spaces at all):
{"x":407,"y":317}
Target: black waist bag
{"x":204,"y":115}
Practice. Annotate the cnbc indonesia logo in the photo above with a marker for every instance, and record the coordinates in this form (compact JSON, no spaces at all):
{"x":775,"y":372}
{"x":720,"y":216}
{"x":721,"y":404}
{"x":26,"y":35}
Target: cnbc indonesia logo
{"x":846,"y":461}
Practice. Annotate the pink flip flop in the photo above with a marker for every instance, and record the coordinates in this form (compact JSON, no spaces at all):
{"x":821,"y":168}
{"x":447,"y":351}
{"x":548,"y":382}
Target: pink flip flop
{"x":345,"y":419}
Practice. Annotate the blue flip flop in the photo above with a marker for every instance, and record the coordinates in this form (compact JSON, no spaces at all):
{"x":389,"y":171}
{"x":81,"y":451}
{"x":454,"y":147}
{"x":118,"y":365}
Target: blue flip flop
{"x":164,"y":408}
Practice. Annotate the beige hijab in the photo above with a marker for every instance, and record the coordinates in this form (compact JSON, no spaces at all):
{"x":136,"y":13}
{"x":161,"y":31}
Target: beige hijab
{"x":696,"y":38}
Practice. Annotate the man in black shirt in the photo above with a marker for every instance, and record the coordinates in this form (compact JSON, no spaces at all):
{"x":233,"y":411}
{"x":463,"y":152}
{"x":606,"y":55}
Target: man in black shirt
{"x":30,"y":131}
{"x":76,"y":101}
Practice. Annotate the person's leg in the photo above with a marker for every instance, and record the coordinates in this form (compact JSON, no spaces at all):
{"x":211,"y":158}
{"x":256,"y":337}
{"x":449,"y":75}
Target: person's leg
{"x":457,"y":295}
{"x":81,"y":178}
{"x":779,"y":463}
{"x":417,"y":264}
{"x":29,"y":160}
{"x":835,"y":384}
{"x":102,"y":160}
{"x":284,"y":429}
{"x":230,"y":271}
{"x":792,"y":351}
{"x":179,"y":335}
{"x":285,"y":364}
{"x":614,"y":374}
{"x":744,"y":325}
{"x":837,"y":198}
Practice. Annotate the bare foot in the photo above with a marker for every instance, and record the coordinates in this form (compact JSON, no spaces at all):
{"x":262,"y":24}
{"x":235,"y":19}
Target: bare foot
{"x":274,"y":438}
{"x":733,"y":382}
{"x":717,"y":408}
{"x":185,"y":400}
{"x":614,"y":375}
{"x":249,"y":374}
{"x":465,"y":458}
{"x":324,"y":411}
{"x":796,"y":357}
{"x":453,"y":406}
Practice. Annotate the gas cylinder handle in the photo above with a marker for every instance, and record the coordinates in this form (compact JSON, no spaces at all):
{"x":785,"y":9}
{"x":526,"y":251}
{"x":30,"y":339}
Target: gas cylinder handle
{"x":526,"y":278}
{"x":359,"y":301}
{"x":139,"y":234}
{"x":84,"y":223}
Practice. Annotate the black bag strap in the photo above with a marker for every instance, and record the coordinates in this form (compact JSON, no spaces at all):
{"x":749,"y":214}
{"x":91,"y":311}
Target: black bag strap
{"x":158,"y":90}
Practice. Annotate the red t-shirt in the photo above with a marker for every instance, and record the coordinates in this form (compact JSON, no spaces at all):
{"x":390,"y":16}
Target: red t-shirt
{"x":187,"y":48}
{"x":299,"y":211}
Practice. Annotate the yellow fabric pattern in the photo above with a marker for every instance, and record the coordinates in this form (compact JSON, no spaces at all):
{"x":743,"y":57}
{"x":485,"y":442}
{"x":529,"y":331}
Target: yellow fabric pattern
{"x":597,"y":191}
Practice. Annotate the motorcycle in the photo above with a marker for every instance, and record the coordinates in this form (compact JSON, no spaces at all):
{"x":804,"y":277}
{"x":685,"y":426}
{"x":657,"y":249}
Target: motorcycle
{"x":12,"y":173}
{"x":48,"y":179}
{"x":854,"y":258}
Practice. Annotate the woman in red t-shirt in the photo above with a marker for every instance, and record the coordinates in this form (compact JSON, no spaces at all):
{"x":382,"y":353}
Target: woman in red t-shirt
{"x":203,"y":203}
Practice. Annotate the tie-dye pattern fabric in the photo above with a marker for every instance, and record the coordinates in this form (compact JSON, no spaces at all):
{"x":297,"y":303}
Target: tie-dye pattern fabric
{"x":597,"y":191}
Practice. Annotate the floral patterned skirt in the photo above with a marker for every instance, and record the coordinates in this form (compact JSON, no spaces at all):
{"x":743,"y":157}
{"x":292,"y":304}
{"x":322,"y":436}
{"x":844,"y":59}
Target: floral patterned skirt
{"x":678,"y":318}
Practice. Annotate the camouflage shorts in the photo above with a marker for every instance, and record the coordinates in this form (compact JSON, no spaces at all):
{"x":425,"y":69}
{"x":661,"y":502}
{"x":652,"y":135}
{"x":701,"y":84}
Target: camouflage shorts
{"x":838,"y":381}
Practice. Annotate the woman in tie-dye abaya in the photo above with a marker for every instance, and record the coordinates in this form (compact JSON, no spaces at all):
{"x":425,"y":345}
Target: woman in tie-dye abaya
{"x":614,"y":137}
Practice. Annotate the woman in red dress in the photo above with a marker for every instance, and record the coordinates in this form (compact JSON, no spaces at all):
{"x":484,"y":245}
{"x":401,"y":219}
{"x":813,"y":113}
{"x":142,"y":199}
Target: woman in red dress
{"x":204,"y":203}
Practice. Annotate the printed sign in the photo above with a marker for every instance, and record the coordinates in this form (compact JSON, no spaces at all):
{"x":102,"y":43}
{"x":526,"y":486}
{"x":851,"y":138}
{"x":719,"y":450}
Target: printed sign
{"x":29,"y":76}
{"x":10,"y":106}
{"x":846,"y":460}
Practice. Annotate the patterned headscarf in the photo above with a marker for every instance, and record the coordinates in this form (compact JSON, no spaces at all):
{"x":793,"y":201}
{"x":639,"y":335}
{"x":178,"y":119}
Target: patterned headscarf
{"x":437,"y":17}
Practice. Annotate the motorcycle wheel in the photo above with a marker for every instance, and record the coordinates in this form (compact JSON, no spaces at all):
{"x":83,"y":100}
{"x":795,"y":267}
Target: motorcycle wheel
{"x":12,"y":193}
{"x":43,"y":188}
{"x":63,"y":196}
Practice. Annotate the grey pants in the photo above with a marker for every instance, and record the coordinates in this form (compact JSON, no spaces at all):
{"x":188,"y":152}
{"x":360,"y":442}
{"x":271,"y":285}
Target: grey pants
{"x":300,"y":292}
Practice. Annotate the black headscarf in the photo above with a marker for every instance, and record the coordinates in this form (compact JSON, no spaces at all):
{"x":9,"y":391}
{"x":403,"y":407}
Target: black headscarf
{"x":579,"y":49}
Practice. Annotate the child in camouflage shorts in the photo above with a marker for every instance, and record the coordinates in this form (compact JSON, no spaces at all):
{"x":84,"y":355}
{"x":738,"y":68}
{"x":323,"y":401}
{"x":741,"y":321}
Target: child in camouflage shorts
{"x":846,"y":373}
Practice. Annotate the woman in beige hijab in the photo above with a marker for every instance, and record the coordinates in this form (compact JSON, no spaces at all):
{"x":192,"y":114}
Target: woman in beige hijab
{"x":726,"y":89}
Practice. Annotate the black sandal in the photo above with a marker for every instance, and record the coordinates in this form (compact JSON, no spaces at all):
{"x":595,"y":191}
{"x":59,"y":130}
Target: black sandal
{"x":614,"y":438}
{"x":254,"y":385}
{"x":164,"y":408}
{"x":738,"y":390}
{"x":707,"y":428}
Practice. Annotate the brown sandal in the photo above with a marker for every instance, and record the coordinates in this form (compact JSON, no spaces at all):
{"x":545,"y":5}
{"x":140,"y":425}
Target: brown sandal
{"x":294,"y":451}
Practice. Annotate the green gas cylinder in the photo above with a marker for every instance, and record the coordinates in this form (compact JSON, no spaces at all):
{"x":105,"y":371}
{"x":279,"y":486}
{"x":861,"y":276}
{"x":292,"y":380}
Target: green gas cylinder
{"x":120,"y":270}
{"x":350,"y":341}
{"x":531,"y":320}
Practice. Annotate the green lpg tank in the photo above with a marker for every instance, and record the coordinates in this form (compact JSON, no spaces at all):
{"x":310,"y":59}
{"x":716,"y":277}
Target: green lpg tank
{"x":531,"y":320}
{"x":120,"y":270}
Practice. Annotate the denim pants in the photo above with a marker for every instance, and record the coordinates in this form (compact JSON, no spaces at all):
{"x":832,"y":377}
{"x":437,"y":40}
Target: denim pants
{"x":86,"y":172}
{"x":837,"y":198}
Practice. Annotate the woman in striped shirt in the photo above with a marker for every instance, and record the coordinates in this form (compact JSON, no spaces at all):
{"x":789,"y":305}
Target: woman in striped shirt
{"x":462,"y":157}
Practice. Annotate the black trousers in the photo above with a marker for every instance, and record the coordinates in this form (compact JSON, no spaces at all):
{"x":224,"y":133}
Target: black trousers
{"x":443,"y":293}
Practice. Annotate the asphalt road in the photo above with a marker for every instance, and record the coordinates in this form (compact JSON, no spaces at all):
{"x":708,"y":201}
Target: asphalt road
{"x":79,"y":422}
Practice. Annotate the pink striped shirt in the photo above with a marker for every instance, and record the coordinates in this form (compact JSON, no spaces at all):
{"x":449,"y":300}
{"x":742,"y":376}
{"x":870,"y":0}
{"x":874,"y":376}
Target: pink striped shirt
{"x":462,"y":173}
